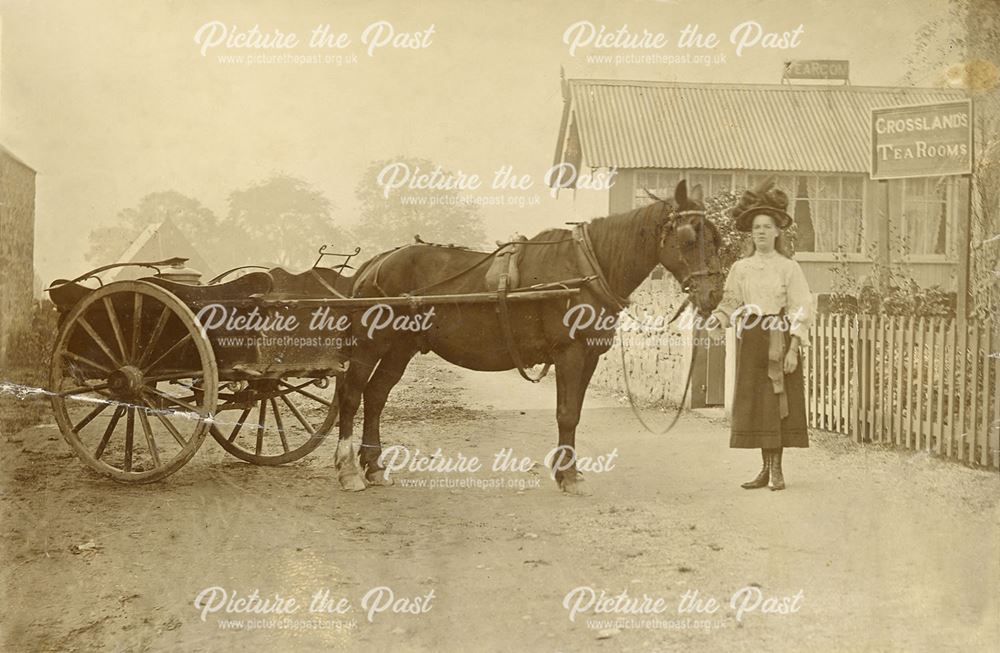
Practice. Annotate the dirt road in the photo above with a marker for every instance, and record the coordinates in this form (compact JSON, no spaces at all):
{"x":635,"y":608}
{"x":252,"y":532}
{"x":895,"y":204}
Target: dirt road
{"x":867,"y":550}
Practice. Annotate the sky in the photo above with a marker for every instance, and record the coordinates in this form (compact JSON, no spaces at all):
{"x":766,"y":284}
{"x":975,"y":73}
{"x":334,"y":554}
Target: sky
{"x":112,"y":100}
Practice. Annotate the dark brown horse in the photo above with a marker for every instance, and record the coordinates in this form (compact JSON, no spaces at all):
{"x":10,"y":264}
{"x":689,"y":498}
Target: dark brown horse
{"x":627,"y":248}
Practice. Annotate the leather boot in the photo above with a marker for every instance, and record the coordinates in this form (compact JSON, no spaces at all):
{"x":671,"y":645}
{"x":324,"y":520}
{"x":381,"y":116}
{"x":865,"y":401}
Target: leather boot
{"x":761,"y":479}
{"x":777,"y":478}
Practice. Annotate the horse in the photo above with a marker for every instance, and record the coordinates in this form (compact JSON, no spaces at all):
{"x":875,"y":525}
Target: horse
{"x":625,"y":248}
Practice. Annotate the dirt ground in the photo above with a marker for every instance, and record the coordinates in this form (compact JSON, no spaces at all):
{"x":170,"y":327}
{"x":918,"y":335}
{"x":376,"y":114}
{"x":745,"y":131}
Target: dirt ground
{"x":885,"y":551}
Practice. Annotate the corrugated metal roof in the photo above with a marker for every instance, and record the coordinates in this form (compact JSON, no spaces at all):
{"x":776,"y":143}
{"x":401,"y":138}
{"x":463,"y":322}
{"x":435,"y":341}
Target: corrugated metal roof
{"x":4,"y":150}
{"x":724,"y":126}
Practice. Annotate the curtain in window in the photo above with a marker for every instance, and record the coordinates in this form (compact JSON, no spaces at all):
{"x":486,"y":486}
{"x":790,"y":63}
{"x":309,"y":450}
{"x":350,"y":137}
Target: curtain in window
{"x":925,"y":215}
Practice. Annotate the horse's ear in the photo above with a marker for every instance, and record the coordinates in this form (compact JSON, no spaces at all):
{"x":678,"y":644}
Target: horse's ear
{"x":681,"y":193}
{"x":696,"y":195}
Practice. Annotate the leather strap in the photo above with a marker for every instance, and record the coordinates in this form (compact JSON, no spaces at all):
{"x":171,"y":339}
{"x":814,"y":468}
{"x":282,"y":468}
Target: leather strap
{"x":590,"y":267}
{"x":322,"y":281}
{"x":503,"y":313}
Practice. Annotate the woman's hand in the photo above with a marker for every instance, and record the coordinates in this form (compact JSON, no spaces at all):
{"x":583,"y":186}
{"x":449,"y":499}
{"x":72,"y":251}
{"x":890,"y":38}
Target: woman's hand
{"x":791,"y":359}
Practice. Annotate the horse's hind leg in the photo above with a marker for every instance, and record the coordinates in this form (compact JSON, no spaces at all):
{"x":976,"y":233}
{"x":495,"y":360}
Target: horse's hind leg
{"x":390,"y":370}
{"x":348,"y":398}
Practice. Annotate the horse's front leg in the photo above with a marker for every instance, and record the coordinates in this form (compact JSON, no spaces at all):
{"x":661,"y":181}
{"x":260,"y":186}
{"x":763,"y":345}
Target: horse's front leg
{"x":575,"y":366}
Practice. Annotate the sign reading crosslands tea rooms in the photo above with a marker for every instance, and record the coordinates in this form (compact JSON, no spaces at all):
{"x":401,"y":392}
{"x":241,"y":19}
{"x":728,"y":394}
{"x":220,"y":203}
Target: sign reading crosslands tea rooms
{"x":927,"y":140}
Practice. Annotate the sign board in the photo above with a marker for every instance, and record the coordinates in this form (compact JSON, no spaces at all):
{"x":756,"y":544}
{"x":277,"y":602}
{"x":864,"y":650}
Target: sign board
{"x":927,"y":140}
{"x":817,"y":69}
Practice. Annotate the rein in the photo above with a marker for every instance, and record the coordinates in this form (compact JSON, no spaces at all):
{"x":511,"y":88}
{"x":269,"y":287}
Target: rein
{"x":685,"y":285}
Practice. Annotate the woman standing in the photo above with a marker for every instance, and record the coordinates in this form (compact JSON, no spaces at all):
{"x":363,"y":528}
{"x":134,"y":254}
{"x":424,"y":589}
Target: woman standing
{"x":768,"y":300}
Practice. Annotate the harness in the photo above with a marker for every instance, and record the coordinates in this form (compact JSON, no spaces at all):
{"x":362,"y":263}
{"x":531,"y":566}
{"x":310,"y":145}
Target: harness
{"x":591,"y":276}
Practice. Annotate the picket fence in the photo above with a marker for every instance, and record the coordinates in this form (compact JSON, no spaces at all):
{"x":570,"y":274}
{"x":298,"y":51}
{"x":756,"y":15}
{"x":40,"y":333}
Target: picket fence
{"x":923,"y":383}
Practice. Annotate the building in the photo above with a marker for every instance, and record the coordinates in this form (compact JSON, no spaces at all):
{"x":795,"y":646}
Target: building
{"x":157,"y":242}
{"x":17,"y":245}
{"x":815,"y":139}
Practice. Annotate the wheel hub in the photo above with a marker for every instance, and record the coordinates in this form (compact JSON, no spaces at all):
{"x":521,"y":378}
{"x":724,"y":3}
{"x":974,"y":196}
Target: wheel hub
{"x":126,"y":382}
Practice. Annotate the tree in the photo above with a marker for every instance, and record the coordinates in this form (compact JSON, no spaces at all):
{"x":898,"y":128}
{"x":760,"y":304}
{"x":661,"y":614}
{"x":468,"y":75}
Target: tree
{"x":962,"y":49}
{"x":199,"y":224}
{"x":392,"y":215}
{"x":283,"y":220}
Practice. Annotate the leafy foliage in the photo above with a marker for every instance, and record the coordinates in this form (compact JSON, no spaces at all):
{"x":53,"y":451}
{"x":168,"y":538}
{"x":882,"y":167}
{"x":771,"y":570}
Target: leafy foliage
{"x":716,"y":210}
{"x":437,"y":216}
{"x":886,"y":290}
{"x":283,"y":220}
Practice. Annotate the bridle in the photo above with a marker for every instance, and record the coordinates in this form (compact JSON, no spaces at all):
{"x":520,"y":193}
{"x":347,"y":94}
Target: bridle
{"x":686,"y":286}
{"x":668,"y":227}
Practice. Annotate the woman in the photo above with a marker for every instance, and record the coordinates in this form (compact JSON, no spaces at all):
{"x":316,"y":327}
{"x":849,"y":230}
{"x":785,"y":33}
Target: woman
{"x":767,"y":298}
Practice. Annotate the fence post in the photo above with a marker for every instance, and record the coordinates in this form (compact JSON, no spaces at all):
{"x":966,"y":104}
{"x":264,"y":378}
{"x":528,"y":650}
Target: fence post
{"x":963,"y":353}
{"x":919,"y":435}
{"x":984,"y":453}
{"x":974,"y":408}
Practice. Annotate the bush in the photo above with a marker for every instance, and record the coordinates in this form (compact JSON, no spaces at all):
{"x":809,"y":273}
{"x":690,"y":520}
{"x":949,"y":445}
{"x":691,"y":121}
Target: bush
{"x":31,"y":346}
{"x":29,"y":352}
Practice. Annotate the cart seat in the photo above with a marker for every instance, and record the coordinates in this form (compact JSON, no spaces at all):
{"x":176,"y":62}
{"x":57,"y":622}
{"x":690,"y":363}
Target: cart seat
{"x":315,"y":283}
{"x":254,"y":283}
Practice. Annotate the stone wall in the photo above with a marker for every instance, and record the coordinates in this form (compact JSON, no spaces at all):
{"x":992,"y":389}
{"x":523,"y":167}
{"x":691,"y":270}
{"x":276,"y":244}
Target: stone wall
{"x":657,"y":362}
{"x":17,"y":240}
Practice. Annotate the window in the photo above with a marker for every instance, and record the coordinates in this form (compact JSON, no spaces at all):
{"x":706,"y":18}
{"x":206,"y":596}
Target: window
{"x":658,"y":182}
{"x":663,"y":182}
{"x":712,"y":182}
{"x":928,"y":208}
{"x":826,"y":208}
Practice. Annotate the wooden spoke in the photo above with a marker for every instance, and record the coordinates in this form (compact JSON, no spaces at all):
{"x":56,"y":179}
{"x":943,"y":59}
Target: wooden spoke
{"x":166,"y":423}
{"x":261,"y":418}
{"x":116,"y":327}
{"x":82,"y":321}
{"x":132,"y":323}
{"x":164,"y":355}
{"x":281,"y":426}
{"x":299,"y":389}
{"x":119,"y":411}
{"x":84,"y":388}
{"x":302,"y":420}
{"x":150,"y":442}
{"x":161,"y":323}
{"x":129,"y":435}
{"x":90,"y":416}
{"x":86,"y":361}
{"x":136,"y":324}
{"x":239,"y":423}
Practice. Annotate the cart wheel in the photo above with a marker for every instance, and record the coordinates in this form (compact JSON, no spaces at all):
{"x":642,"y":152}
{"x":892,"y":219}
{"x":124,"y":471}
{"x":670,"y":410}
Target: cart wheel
{"x":292,"y":418}
{"x":132,"y":353}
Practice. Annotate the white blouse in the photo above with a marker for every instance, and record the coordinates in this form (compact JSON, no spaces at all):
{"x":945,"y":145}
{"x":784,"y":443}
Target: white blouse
{"x":763,"y":284}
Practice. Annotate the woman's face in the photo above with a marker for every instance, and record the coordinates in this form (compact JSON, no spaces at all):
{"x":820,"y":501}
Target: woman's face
{"x":764,"y":231}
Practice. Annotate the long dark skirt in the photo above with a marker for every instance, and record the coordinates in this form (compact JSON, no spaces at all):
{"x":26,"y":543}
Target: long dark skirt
{"x":756,"y":420}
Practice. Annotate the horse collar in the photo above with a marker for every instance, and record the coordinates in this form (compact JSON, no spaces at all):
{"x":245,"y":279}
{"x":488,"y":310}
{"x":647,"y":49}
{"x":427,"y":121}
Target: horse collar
{"x":591,"y":267}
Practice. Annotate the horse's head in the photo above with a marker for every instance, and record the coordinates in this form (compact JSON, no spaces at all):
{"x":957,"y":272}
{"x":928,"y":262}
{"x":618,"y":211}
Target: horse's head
{"x":689,"y":249}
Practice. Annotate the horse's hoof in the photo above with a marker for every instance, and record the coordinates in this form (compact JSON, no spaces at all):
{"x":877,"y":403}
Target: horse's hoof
{"x":352,"y":482}
{"x":574,"y":485}
{"x":378,"y":477}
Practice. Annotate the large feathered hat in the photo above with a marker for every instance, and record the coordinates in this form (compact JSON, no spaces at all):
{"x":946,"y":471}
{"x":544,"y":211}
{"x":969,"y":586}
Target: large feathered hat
{"x":765,"y":198}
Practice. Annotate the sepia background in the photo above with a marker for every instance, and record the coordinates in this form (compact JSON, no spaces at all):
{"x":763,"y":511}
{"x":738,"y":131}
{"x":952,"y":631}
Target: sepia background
{"x":121,"y":141}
